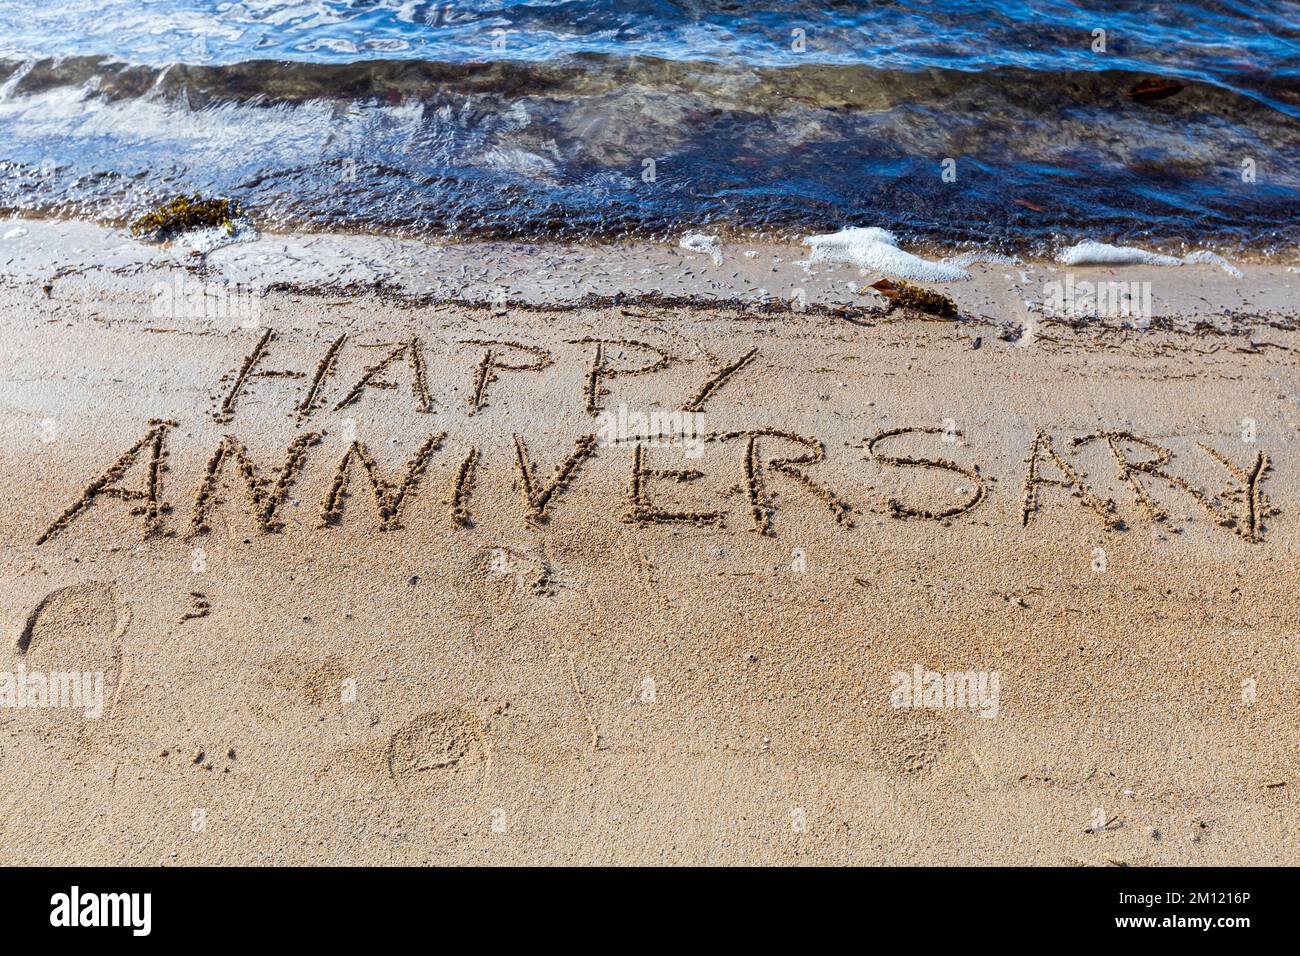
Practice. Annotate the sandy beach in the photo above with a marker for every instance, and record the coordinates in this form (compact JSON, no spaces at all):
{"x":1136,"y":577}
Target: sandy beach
{"x":390,"y":553}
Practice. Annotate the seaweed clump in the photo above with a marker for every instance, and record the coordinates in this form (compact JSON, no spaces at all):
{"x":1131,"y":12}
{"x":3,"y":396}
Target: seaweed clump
{"x":904,"y":296}
{"x":183,"y":213}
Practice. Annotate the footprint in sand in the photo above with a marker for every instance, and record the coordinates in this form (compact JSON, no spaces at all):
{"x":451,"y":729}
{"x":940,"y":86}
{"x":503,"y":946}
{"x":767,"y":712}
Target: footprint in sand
{"x":906,"y":743}
{"x":74,"y":630}
{"x":436,"y":748}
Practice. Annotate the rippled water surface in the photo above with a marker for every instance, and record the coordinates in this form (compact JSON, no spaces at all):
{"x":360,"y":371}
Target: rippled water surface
{"x":1004,"y":124}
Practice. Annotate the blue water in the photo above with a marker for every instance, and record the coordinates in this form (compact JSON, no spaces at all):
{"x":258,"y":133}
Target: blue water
{"x":537,"y":119}
{"x":1228,"y":43}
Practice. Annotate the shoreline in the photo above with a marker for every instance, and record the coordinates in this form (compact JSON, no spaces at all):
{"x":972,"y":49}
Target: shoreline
{"x":1282,"y":254}
{"x":91,"y":260}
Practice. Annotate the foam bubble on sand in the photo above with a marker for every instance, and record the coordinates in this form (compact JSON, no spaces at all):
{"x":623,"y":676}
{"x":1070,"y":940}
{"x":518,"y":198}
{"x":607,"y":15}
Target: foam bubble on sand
{"x":1214,"y":259}
{"x":1090,"y":253}
{"x":877,"y":250}
{"x":209,"y":239}
{"x":971,"y":257}
{"x":699,"y":242}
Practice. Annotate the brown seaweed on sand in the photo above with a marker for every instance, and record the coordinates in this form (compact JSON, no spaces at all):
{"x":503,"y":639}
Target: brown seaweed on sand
{"x":182,"y":213}
{"x":904,"y":296}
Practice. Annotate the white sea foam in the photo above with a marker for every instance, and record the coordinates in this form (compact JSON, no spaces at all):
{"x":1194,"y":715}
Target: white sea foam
{"x":699,"y":242}
{"x":1090,"y":253}
{"x":1214,"y":259}
{"x":877,"y":250}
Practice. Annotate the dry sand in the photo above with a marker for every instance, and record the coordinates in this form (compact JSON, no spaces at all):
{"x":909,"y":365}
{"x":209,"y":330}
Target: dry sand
{"x":439,"y":661}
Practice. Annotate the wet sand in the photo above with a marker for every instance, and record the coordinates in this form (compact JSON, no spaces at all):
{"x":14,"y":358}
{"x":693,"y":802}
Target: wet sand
{"x":458,"y":617}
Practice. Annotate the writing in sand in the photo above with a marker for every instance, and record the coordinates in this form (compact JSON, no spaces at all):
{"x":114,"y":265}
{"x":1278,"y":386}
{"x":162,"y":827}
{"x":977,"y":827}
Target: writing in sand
{"x":764,"y":457}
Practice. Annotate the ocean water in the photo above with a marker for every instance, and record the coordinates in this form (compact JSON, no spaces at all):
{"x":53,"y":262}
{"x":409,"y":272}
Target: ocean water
{"x":952,"y":122}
